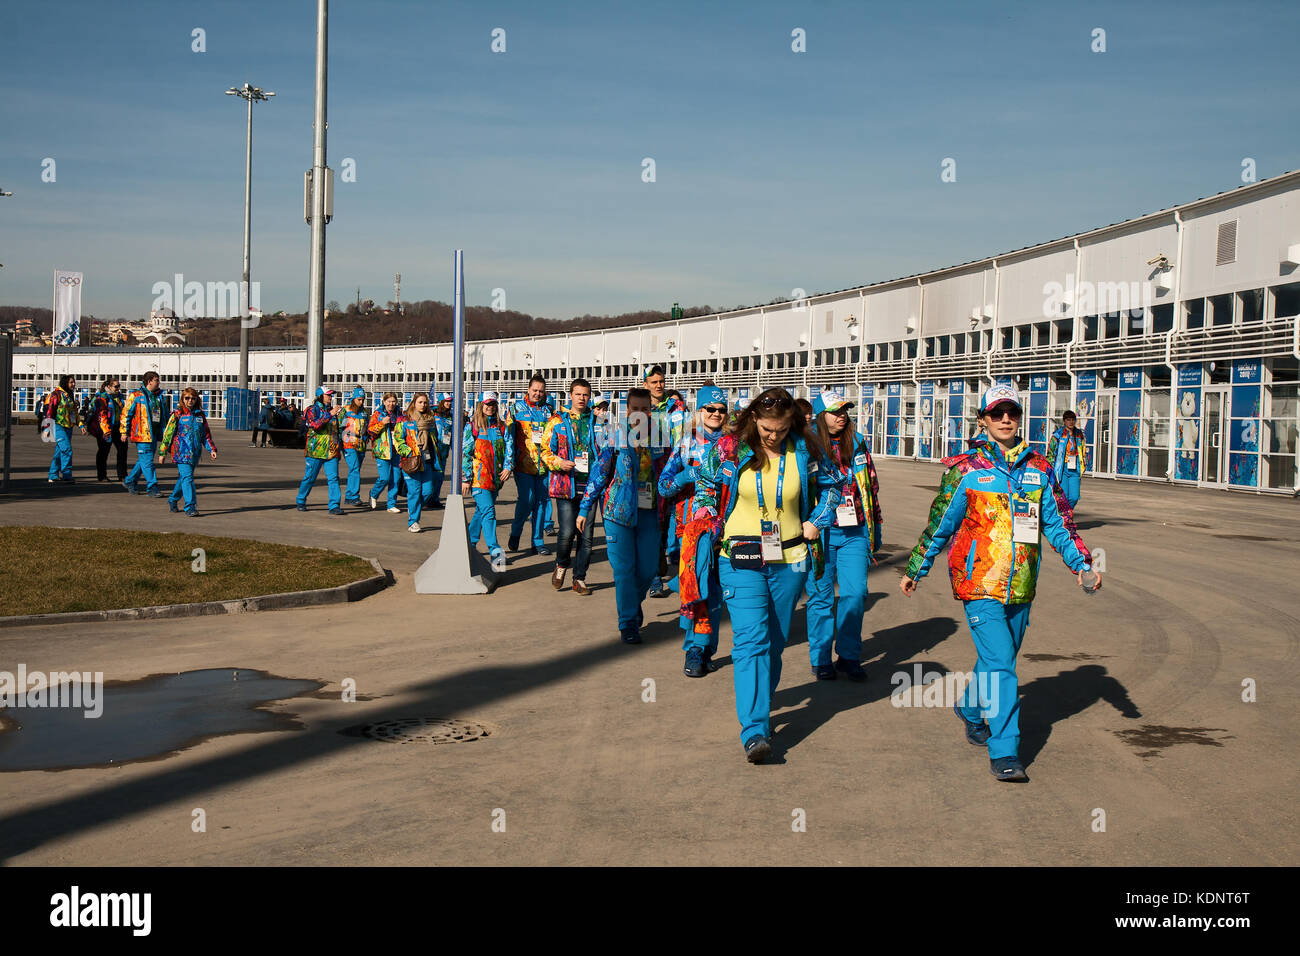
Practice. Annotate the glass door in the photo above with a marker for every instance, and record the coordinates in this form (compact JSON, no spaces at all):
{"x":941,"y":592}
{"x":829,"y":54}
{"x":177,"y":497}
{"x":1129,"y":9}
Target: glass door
{"x":1213,"y":436}
{"x":878,"y":427}
{"x":939,"y":429}
{"x":1103,"y":459}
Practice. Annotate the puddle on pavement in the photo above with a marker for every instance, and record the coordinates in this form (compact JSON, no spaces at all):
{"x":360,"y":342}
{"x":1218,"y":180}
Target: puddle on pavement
{"x":1158,"y":737}
{"x":146,"y":719}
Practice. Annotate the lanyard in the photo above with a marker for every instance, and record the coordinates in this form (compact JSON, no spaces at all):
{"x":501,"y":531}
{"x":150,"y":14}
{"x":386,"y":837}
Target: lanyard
{"x":780,"y":481}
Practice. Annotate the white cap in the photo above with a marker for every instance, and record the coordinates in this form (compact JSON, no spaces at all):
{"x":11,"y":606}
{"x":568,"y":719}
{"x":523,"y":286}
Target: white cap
{"x":487,"y":397}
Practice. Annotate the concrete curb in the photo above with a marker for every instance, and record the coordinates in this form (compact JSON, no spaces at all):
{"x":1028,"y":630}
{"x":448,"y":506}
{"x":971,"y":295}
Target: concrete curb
{"x":342,"y":594}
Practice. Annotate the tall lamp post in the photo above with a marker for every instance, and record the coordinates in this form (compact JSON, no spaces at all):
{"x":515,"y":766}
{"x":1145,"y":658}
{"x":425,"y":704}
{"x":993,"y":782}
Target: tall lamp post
{"x":251,"y":94}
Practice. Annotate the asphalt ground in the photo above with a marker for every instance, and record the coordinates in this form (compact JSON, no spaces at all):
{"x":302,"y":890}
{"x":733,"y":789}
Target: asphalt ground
{"x":1139,"y":745}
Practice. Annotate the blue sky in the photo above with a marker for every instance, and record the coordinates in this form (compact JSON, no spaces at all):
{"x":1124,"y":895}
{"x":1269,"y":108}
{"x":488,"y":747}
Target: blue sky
{"x":774,"y":169}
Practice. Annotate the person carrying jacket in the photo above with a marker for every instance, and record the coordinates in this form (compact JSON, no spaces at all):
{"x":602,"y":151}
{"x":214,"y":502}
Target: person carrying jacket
{"x":568,"y":449}
{"x":61,"y":412}
{"x":382,"y":422}
{"x":677,"y":487}
{"x":487,"y":454}
{"x":354,"y":424}
{"x":992,"y":501}
{"x":765,"y":493}
{"x":106,"y":424}
{"x":1068,"y":453}
{"x":141,"y":425}
{"x":323,"y":449}
{"x":527,"y":418}
{"x":668,"y":414}
{"x":626,"y":474}
{"x":182,"y":444}
{"x":854,"y":535}
{"x":416,"y":441}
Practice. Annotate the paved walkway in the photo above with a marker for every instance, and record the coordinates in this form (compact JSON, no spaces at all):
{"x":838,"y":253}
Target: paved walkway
{"x":1200,"y":596}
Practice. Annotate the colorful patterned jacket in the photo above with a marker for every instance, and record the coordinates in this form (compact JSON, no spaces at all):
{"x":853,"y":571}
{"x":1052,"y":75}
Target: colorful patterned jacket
{"x":486,"y":455}
{"x":720,"y":471}
{"x":354,"y":426}
{"x":868,"y":493}
{"x":1061,"y":448}
{"x":973,"y":509}
{"x":677,"y":480}
{"x":62,"y":408}
{"x":668,"y":422}
{"x":322,"y":432}
{"x":108,"y":415}
{"x":614,"y":476}
{"x":406,"y":443}
{"x":138,"y":412}
{"x":563,"y":440}
{"x":381,"y":432}
{"x":185,"y":436}
{"x":443,"y":425}
{"x":529,"y":425}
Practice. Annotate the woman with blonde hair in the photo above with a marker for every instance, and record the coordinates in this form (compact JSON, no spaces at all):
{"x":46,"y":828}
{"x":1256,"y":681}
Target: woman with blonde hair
{"x":184,"y":439}
{"x":489,"y":450}
{"x":416,"y":441}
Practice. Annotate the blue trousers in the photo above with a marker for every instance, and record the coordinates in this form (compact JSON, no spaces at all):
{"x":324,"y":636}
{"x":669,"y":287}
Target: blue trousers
{"x":390,"y":473}
{"x":998,"y":630}
{"x":531,"y":506}
{"x":184,"y":485}
{"x":761,"y":604}
{"x":708,"y":643}
{"x":419,"y":489}
{"x":1070,"y":482}
{"x":61,"y":462}
{"x":309,"y":472}
{"x":848,"y":554}
{"x":143,"y":467}
{"x":633,"y":559}
{"x":438,"y":477}
{"x":548,"y":508}
{"x":354,"y":457}
{"x":485,"y":518}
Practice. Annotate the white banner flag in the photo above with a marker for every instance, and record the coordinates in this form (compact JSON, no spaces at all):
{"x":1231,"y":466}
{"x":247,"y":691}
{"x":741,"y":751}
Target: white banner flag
{"x":67,"y":308}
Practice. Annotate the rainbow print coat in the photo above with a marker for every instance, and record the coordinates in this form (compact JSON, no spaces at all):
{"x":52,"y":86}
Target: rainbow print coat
{"x":1060,"y":448}
{"x":381,"y":432}
{"x":185,"y":437}
{"x":561,"y":440}
{"x":137,"y":416}
{"x":486,"y":455}
{"x":354,"y":426}
{"x":973,"y":510}
{"x":322,"y":432}
{"x":61,"y":408}
{"x":528,"y":420}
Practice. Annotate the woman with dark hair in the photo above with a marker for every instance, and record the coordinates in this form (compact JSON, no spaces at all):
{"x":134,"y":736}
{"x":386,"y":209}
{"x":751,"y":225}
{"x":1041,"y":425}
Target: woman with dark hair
{"x":849,"y":542}
{"x":105,"y":424}
{"x":184,"y":439}
{"x":487,"y":456}
{"x":61,"y":413}
{"x":806,"y":410}
{"x":764,"y":493}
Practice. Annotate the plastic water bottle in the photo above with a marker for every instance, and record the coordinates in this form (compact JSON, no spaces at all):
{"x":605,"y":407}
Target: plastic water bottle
{"x":1090,"y":582}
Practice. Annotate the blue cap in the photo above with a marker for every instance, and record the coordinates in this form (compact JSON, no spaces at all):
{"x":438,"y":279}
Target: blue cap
{"x":444,"y":396}
{"x":710,"y":395}
{"x":358,"y":392}
{"x":830,"y":402}
{"x":998,"y":394}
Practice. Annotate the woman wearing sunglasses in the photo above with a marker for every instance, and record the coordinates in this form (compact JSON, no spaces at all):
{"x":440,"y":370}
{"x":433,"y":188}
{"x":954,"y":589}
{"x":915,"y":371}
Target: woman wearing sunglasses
{"x":184,"y":439}
{"x":485,"y":466}
{"x":990,"y":504}
{"x":677,"y":488}
{"x":767,"y":492}
{"x":849,"y":542}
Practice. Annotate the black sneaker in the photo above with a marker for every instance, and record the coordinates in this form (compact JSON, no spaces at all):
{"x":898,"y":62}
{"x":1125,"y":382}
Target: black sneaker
{"x":851,"y":669}
{"x":658,"y":589}
{"x":512,"y":544}
{"x":708,"y":662}
{"x":155,"y":494}
{"x":171,"y":506}
{"x":543,"y":550}
{"x":1008,"y":770}
{"x":337,"y":511}
{"x":302,"y":507}
{"x":629,"y":636}
{"x":976,"y":734}
{"x":192,"y":512}
{"x":695,"y":666}
{"x":824,"y":672}
{"x":130,"y":489}
{"x":757,"y":749}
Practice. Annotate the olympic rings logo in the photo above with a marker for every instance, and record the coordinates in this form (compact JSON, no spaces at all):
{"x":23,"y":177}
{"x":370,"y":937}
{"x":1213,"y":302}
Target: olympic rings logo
{"x":69,"y":280}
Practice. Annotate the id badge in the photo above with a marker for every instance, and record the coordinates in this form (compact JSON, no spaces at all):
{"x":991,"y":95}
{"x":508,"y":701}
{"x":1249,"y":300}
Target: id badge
{"x":536,"y":432}
{"x":580,"y":462}
{"x":846,"y":516}
{"x":428,"y":456}
{"x":1071,"y":462}
{"x":771,"y":542}
{"x":1024,"y":520}
{"x":645,"y":496}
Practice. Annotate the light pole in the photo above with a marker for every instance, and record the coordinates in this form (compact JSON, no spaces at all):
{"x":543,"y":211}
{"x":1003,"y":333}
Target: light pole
{"x":319,"y":185}
{"x":251,"y":94}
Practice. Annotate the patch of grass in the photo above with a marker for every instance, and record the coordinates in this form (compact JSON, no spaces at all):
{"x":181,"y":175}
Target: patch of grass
{"x":56,"y":570}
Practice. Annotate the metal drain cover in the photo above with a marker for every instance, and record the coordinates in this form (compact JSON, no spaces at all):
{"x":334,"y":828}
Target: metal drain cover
{"x":427,"y":730}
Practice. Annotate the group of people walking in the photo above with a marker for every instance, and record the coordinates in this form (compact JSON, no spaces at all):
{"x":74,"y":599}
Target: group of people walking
{"x":753,"y":508}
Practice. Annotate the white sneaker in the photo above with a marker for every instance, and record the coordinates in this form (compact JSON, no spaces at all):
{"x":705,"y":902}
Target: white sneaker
{"x":393,"y":509}
{"x":414,"y":528}
{"x":374,"y":503}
